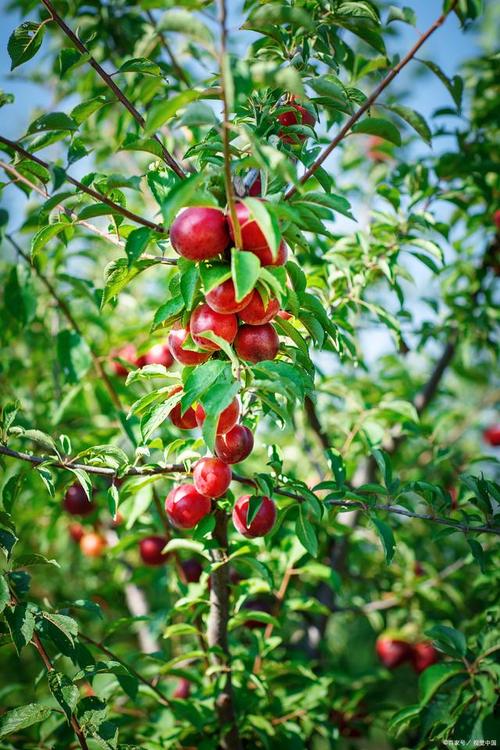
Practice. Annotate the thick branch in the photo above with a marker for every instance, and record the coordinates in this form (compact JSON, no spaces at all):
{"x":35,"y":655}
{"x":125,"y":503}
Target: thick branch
{"x":217,"y":636}
{"x":370,"y":101}
{"x":85,"y":189}
{"x":167,"y":156}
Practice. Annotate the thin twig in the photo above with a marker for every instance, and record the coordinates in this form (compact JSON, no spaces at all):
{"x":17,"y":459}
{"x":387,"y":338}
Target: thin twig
{"x":167,"y":156}
{"x":85,"y":189}
{"x":369,"y":102}
{"x":165,"y":44}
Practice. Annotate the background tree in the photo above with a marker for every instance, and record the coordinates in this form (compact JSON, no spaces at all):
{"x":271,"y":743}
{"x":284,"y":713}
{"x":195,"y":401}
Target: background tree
{"x":186,"y":292}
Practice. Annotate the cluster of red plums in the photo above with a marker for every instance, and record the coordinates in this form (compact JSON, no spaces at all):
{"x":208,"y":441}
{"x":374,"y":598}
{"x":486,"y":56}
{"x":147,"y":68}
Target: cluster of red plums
{"x":393,"y":652}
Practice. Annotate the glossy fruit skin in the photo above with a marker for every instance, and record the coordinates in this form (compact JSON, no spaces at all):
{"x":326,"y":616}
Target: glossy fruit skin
{"x":228,"y":417}
{"x":256,"y":343}
{"x":188,"y":357}
{"x":192,"y":570}
{"x":199,"y":233}
{"x":252,"y":237}
{"x":263,"y":521}
{"x":150,"y":550}
{"x":423,"y":655}
{"x":266,"y":258}
{"x":186,"y":421}
{"x":128,"y":354}
{"x":284,"y":315}
{"x":185,"y":506}
{"x":92,"y":544}
{"x":392,"y":652}
{"x":492,"y":435}
{"x":256,"y":313}
{"x":211,"y":477}
{"x":256,"y":189}
{"x":159,"y":354}
{"x":298,"y":115}
{"x":76,"y":531}
{"x":76,"y":502}
{"x":205,"y":319}
{"x":222,"y":299}
{"x":235,"y":445}
{"x":183,"y":689}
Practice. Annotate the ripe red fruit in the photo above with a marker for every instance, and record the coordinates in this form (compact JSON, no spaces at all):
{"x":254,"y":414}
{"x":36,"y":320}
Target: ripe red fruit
{"x":257,"y":343}
{"x":256,"y":313}
{"x":284,"y":314}
{"x":183,"y":689}
{"x":235,"y":445}
{"x":492,"y":435}
{"x":150,"y":550}
{"x":496,"y":219}
{"x":205,"y":319}
{"x":192,"y":570}
{"x":185,"y":506}
{"x":222,"y":299}
{"x":128,"y":354}
{"x":252,"y":237}
{"x":159,"y":354}
{"x":418,"y":569}
{"x":228,"y":417}
{"x":211,"y":477}
{"x":76,"y":501}
{"x":266,"y":258}
{"x":423,"y":655}
{"x":297,"y":115}
{"x":76,"y":531}
{"x":392,"y":652}
{"x":186,"y":421}
{"x":263,"y":521}
{"x":255,"y":190}
{"x":92,"y":544}
{"x":186,"y":357}
{"x":199,"y":233}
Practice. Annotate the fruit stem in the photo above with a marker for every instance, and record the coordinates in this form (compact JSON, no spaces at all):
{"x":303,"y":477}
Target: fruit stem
{"x":231,"y":205}
{"x":218,"y":619}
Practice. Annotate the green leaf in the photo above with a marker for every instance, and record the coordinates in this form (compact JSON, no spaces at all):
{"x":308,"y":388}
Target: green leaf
{"x":22,"y":717}
{"x":52,"y":121}
{"x":274,"y":14}
{"x":189,"y":281}
{"x":254,"y":505}
{"x":67,"y":626}
{"x":187,"y":23}
{"x":170,"y":309}
{"x":405,"y":14}
{"x":214,"y":401}
{"x":414,"y":119}
{"x":24,"y":42}
{"x":386,"y":537}
{"x":306,"y":533}
{"x":478,"y":554}
{"x":436,"y":675}
{"x":45,"y":234}
{"x":137,"y":242}
{"x":32,"y":558}
{"x":266,"y":221}
{"x":245,"y":270}
{"x":85,"y":109}
{"x":74,"y":355}
{"x":141,"y":65}
{"x":213,"y":275}
{"x":84,"y":480}
{"x":64,"y":691}
{"x":183,"y":193}
{"x":165,"y":109}
{"x":117,"y":275}
{"x":4,"y":593}
{"x":455,"y":86}
{"x":21,"y":624}
{"x":378,"y":126}
{"x":449,"y":640}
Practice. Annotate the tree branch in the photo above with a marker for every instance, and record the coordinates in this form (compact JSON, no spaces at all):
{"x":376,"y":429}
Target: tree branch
{"x":165,"y":44}
{"x":167,"y":156}
{"x":85,"y":189}
{"x":369,"y":101}
{"x":217,"y":635}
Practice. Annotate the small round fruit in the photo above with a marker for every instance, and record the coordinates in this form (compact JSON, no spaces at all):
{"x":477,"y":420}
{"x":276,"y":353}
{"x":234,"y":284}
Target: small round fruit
{"x":423,"y":655}
{"x":263,"y":521}
{"x":76,"y":501}
{"x":205,"y":319}
{"x":185,"y":357}
{"x":92,"y":544}
{"x":265,"y":256}
{"x":185,"y":506}
{"x":256,"y":313}
{"x":192,"y":570}
{"x":183,"y":689}
{"x":128,"y":354}
{"x":392,"y":652}
{"x":256,"y":343}
{"x":252,"y":236}
{"x":235,"y":445}
{"x":211,"y":477}
{"x":255,"y":190}
{"x":199,"y":233}
{"x":222,"y":299}
{"x":228,"y":417}
{"x":492,"y":435}
{"x":159,"y":354}
{"x":186,"y":421}
{"x":150,"y":550}
{"x":76,"y":531}
{"x":496,"y":219}
{"x":297,"y":115}
{"x":284,"y":315}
